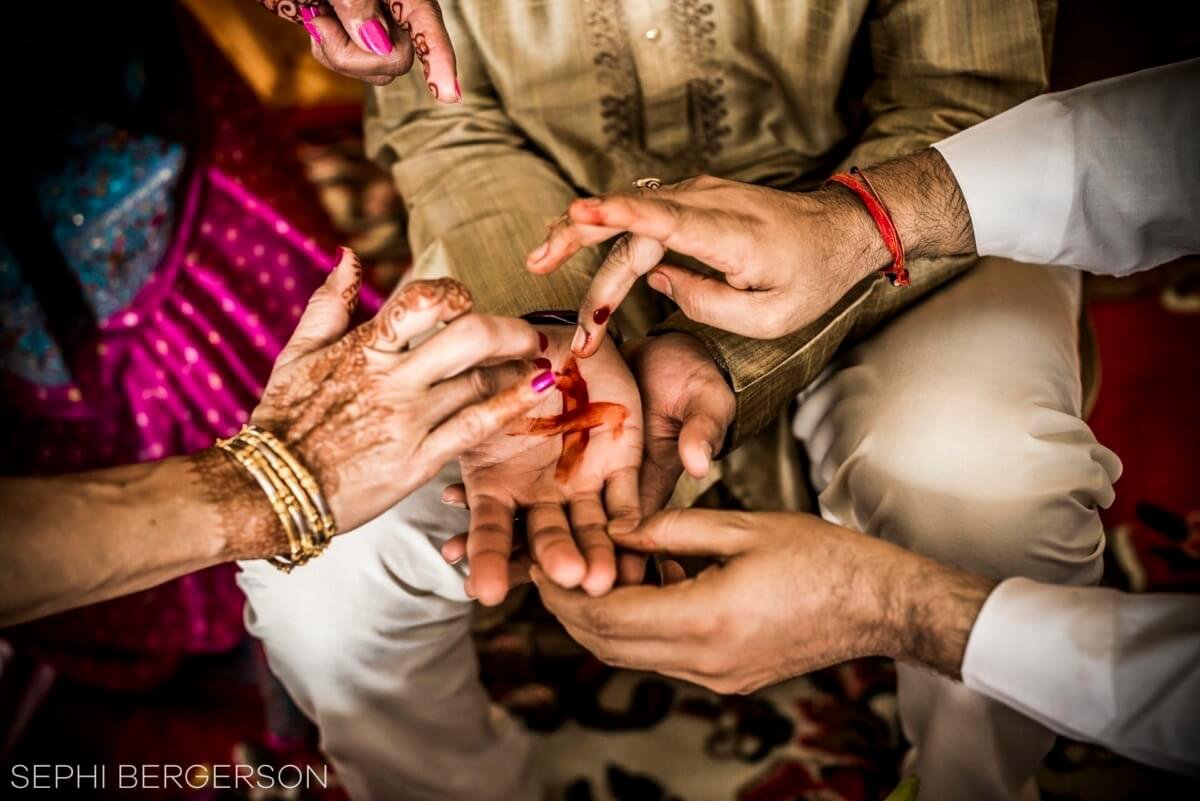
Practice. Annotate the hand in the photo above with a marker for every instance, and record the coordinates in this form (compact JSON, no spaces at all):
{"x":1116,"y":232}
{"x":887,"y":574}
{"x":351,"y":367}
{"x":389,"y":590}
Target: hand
{"x":521,"y":471}
{"x":687,"y":407}
{"x":362,"y":40}
{"x":374,"y":418}
{"x":790,"y":594}
{"x":785,"y":257}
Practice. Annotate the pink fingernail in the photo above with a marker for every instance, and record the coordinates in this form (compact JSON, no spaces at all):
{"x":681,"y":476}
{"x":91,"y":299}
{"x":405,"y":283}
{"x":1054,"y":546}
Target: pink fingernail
{"x":309,"y":13}
{"x":313,"y":32}
{"x":543,"y":381}
{"x":375,"y":37}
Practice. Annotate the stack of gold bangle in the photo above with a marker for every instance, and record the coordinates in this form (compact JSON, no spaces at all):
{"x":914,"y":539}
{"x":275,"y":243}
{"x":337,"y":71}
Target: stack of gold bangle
{"x":291,"y":490}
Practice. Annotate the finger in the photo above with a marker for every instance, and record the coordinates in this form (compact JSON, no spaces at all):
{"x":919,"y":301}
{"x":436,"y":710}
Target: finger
{"x":631,"y":567}
{"x":630,"y":258}
{"x":621,"y":500}
{"x":672,"y":572}
{"x":473,"y":386}
{"x":362,"y":20}
{"x":668,"y":657}
{"x":701,"y":436}
{"x":412,"y":310}
{"x":657,"y":479}
{"x":707,"y":299}
{"x":479,"y":422}
{"x":681,"y":225}
{"x":553,"y":546}
{"x":693,"y":532}
{"x":468,"y":341}
{"x":626,"y":613}
{"x":423,"y":20}
{"x":336,"y":47}
{"x":455,"y":549}
{"x":329,"y":308}
{"x":564,"y":239}
{"x":489,"y":547}
{"x":589,"y":523}
{"x":455,"y":495}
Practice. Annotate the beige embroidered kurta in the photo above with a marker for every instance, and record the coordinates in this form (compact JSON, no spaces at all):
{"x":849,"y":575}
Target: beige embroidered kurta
{"x":563,"y":98}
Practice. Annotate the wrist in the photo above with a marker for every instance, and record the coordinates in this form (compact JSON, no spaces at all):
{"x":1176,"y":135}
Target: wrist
{"x":926,"y":204}
{"x":932,"y":614}
{"x":861,"y":249}
{"x":237,"y":516}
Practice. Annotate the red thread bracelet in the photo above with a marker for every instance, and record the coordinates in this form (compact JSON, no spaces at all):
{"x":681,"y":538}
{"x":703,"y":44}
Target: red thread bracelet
{"x":856,"y":181}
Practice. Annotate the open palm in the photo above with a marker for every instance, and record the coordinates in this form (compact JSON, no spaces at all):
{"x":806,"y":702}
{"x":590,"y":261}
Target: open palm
{"x":567,"y":501}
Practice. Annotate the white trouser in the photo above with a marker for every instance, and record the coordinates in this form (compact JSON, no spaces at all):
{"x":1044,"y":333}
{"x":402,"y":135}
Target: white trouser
{"x":372,"y":640}
{"x":955,"y":432}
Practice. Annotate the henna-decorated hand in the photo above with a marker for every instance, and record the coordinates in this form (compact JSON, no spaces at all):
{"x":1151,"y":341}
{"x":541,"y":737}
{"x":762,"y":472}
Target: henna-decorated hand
{"x":557,"y":482}
{"x":374,"y":418}
{"x":375,"y":40}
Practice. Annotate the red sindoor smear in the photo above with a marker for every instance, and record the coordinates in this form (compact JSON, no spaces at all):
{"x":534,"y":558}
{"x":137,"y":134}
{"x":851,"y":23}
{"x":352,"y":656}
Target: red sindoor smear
{"x":578,"y":418}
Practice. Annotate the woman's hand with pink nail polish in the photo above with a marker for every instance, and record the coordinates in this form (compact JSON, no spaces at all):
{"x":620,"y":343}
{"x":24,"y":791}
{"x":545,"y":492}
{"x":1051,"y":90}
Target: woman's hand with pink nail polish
{"x":378,"y":40}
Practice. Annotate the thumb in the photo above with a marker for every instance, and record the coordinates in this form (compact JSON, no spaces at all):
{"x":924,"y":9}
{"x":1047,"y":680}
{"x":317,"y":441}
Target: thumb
{"x":701,"y":436}
{"x":327,"y":315}
{"x":691,"y":532}
{"x":703,"y":298}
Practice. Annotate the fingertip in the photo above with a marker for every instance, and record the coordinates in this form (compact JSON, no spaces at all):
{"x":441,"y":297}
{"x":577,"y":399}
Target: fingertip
{"x":492,"y":593}
{"x":600,"y":579}
{"x":566,"y":571}
{"x":537,"y":254}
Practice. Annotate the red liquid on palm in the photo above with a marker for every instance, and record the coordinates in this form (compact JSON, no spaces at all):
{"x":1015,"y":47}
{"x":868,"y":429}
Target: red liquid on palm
{"x":578,"y":417}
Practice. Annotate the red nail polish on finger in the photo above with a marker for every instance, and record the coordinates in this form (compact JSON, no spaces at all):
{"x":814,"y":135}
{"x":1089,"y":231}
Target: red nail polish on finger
{"x":337,"y":255}
{"x":542,"y":381}
{"x":375,"y":37}
{"x":600,"y":316}
{"x":543,"y":342}
{"x":542,"y":363}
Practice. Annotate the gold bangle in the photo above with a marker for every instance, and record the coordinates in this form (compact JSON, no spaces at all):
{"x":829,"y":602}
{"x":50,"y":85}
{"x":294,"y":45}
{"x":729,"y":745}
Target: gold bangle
{"x":297,"y":499}
{"x":328,"y":525}
{"x":277,"y":504}
{"x":303,"y":549}
{"x":291,"y":490}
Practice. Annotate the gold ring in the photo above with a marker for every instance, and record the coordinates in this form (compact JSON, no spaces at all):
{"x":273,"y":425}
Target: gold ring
{"x":647,"y":183}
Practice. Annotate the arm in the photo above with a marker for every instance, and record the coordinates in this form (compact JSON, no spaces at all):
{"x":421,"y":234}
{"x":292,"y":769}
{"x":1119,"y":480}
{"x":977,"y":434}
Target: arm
{"x":477,"y":194}
{"x":78,"y":539}
{"x":369,"y":418}
{"x":939,"y":68}
{"x":1102,"y":177}
{"x":791,"y":593}
{"x":1095,"y":664}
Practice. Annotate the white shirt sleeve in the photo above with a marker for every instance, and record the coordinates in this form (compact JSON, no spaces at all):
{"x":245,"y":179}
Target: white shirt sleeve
{"x":1095,"y":664}
{"x":1105,"y":177}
